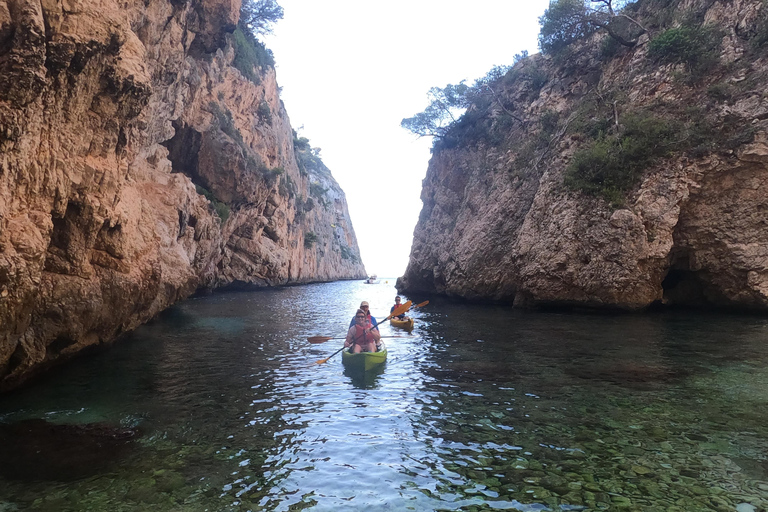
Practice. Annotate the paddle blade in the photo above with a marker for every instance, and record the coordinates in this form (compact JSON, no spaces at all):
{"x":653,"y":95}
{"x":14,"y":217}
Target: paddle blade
{"x":321,"y":361}
{"x":421,"y":304}
{"x":320,"y":339}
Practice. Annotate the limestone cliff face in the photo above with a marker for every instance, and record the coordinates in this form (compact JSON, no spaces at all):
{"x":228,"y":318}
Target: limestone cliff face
{"x":138,"y":165}
{"x":500,"y":223}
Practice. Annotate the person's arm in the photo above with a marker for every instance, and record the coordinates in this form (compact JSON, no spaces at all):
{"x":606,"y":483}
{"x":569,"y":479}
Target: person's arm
{"x":349,"y":341}
{"x":375,"y":334}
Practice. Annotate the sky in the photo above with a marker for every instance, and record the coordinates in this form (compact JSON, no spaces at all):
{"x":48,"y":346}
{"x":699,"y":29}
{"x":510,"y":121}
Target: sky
{"x":351,"y":70}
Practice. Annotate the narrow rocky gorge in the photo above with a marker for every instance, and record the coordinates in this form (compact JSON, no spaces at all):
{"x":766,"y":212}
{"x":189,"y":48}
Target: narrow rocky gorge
{"x":145,"y":155}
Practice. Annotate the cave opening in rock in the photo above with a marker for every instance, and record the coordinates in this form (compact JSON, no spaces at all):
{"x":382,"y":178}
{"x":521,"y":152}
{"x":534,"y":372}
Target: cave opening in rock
{"x":64,"y":228}
{"x":683,"y":286}
{"x":58,"y":345}
{"x":17,"y":358}
{"x":68,"y":237}
{"x":183,"y":149}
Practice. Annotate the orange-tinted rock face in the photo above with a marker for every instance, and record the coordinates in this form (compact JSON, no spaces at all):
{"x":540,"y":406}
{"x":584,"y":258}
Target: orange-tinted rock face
{"x":136,"y":166}
{"x":692,"y":230}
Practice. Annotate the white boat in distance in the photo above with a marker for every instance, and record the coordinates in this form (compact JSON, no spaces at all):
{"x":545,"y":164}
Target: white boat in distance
{"x":374,"y":279}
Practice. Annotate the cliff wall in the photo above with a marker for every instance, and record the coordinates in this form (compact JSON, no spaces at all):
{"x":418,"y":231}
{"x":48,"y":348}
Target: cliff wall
{"x":502,"y":219}
{"x":137,"y":165}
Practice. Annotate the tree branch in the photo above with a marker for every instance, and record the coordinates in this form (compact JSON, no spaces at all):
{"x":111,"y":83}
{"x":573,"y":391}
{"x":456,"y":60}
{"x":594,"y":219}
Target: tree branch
{"x":555,"y":138}
{"x":498,"y":102}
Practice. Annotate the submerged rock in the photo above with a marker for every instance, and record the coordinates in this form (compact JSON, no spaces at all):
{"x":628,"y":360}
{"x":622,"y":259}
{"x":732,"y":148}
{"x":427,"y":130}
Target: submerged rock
{"x":35,"y":449}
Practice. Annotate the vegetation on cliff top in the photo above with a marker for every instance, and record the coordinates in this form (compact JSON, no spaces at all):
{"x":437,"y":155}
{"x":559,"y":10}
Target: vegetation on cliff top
{"x":257,"y":17}
{"x":307,"y":157}
{"x":568,"y":21}
{"x":617,"y":141}
{"x":461,"y":104}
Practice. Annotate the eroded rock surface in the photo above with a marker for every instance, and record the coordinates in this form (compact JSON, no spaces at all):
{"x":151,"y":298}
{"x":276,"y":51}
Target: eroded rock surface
{"x":500,"y":223}
{"x":138,"y":165}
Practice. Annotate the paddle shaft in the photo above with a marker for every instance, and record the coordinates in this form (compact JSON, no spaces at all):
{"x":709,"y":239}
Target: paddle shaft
{"x":323,"y":339}
{"x":330,"y":356}
{"x":321,"y":361}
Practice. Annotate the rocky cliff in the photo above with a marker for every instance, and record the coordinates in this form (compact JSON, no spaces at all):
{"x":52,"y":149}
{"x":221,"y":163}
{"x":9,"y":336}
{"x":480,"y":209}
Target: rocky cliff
{"x":144,"y":155}
{"x":610,"y":176}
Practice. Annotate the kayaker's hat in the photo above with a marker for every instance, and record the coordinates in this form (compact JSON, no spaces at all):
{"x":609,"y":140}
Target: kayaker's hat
{"x":363,"y":304}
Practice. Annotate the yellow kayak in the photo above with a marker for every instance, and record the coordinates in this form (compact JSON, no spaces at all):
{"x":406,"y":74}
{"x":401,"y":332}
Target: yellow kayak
{"x":403,"y":324}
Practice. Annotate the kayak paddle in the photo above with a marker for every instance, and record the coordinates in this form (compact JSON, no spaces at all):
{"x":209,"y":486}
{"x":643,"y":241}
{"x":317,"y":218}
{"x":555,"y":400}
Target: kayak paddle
{"x":323,"y":339}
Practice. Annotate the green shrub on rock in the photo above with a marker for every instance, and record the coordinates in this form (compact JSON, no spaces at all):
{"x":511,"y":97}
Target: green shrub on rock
{"x":696,"y":47}
{"x":309,"y":239}
{"x":613,"y":163}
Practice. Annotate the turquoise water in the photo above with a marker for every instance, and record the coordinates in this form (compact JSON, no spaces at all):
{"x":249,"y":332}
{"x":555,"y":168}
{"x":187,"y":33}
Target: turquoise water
{"x":479,"y":408}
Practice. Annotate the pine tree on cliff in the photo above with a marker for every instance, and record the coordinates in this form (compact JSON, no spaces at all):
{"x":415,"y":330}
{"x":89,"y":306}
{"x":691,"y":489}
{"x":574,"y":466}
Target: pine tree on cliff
{"x":259,"y":16}
{"x":567,"y":21}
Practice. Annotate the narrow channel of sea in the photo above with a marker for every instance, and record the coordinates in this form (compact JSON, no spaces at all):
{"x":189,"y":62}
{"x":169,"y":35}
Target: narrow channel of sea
{"x":219,"y":405}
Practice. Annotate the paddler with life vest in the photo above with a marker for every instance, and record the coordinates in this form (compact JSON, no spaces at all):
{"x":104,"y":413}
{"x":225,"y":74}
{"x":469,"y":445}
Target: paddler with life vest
{"x":363,"y":336}
{"x":397,"y":305}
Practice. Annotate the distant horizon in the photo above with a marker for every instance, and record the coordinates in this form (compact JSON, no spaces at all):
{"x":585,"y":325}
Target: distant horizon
{"x":347,"y":82}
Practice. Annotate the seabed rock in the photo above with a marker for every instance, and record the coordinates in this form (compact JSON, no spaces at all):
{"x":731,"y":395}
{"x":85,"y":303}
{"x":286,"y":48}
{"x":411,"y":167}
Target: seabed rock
{"x":33,"y":450}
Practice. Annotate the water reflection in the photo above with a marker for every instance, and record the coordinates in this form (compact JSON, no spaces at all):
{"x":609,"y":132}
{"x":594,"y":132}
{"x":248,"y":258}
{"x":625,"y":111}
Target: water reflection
{"x":362,"y":379}
{"x":479,"y":408}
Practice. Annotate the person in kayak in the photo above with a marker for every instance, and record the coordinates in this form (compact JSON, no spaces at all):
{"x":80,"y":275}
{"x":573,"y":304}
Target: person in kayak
{"x":364,"y":306}
{"x":397,"y":305}
{"x":363,"y":336}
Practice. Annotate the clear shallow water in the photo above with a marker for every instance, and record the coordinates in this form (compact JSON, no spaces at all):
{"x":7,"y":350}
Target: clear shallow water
{"x":479,"y":408}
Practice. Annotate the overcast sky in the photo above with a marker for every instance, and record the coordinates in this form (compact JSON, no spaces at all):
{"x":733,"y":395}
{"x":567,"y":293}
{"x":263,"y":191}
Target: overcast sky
{"x":351,"y":70}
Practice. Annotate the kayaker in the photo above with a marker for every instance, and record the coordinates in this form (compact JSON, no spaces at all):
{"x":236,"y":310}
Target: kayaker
{"x":363,"y":336}
{"x":364,"y":306}
{"x":397,"y":305}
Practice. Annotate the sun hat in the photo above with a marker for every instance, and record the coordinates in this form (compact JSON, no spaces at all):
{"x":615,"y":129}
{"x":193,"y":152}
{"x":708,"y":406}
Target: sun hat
{"x":364,"y":303}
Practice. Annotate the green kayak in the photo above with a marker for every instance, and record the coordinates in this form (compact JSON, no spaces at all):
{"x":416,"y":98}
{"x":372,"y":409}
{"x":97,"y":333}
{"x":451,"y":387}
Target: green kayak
{"x":364,"y":360}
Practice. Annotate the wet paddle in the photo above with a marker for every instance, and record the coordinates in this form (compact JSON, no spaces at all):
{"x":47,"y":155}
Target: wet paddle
{"x":321,"y":361}
{"x":398,"y":311}
{"x":419,"y":305}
